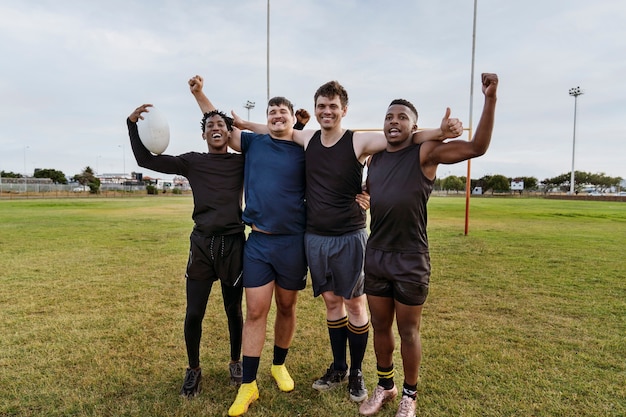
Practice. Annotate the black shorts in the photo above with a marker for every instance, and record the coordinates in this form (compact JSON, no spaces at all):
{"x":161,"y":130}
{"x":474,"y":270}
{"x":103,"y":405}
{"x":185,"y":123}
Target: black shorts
{"x":216,"y":257}
{"x":401,"y":276}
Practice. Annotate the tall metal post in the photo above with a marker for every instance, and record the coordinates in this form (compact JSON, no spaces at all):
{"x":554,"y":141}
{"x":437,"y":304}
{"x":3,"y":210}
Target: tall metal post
{"x":468,"y":181}
{"x":575,"y":92}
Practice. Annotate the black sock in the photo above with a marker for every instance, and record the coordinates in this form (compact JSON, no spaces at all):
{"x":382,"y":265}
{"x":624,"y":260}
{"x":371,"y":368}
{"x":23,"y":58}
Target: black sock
{"x":357,"y":341}
{"x":280,"y":354}
{"x":338,"y":333}
{"x":385,"y":376}
{"x":409,"y":390}
{"x":250,"y":365}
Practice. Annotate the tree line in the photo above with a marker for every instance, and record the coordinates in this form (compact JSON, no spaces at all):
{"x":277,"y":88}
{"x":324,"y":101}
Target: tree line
{"x":488,"y":183}
{"x":502,"y":184}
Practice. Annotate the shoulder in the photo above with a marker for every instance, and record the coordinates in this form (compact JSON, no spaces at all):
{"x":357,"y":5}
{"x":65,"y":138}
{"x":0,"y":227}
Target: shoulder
{"x":303,"y":137}
{"x":368,"y":143}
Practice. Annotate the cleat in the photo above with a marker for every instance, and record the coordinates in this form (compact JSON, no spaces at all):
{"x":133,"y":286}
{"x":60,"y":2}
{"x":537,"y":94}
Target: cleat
{"x":192,"y":383}
{"x":247,"y":394}
{"x":282,"y":377}
{"x":375,"y":402}
{"x":356,"y":386}
{"x":331,"y":379}
{"x":407,"y":407}
{"x":236,"y":373}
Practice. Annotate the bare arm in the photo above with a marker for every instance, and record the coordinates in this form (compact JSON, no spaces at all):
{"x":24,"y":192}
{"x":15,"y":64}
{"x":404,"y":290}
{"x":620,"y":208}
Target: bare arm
{"x":248,"y":125}
{"x":450,"y":128}
{"x":369,"y":143}
{"x":435,"y":153}
{"x":195,"y":86}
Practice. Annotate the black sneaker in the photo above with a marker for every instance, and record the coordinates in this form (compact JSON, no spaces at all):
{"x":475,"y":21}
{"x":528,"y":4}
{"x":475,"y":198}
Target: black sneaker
{"x":236,"y":373}
{"x":330,"y":379}
{"x":356,"y":386}
{"x":192,"y":384}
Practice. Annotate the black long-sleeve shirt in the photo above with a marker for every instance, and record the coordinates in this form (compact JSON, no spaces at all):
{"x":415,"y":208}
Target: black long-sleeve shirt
{"x":216,"y":181}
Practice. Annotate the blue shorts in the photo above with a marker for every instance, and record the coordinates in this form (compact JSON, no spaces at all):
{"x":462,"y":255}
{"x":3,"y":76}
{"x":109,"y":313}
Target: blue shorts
{"x":278,"y":258}
{"x":336,"y":263}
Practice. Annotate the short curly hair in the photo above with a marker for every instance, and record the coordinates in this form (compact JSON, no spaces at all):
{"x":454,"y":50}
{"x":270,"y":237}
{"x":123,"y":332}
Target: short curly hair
{"x":227,"y":120}
{"x":405,"y":103}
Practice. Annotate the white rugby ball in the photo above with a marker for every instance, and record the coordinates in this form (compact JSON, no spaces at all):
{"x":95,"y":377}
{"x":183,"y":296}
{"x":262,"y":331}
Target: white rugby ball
{"x":154,"y":131}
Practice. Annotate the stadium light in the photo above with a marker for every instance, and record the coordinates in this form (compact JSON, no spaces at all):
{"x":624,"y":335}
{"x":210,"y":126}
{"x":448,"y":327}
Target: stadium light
{"x":575,"y":92}
{"x":249,"y":105}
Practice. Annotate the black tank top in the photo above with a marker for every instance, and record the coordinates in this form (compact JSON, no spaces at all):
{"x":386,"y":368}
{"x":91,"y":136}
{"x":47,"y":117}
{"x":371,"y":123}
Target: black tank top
{"x":333,"y":179}
{"x":399,"y":194}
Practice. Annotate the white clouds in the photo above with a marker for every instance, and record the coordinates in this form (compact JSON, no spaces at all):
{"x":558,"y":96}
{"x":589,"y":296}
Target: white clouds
{"x":72,"y":71}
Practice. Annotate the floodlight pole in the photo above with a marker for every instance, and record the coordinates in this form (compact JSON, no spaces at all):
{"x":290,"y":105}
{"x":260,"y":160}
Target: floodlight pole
{"x":268,"y":50}
{"x":249,"y":105}
{"x":468,"y":180}
{"x":575,"y":92}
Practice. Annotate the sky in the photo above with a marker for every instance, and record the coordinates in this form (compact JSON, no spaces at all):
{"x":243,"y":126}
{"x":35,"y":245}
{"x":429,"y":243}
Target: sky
{"x":73,"y":70}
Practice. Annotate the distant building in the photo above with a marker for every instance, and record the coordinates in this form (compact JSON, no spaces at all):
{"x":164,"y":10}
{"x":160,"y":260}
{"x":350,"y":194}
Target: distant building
{"x":517,"y":185}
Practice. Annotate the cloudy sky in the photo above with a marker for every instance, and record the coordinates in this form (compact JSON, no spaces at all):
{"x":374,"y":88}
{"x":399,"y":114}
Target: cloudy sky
{"x":73,"y":70}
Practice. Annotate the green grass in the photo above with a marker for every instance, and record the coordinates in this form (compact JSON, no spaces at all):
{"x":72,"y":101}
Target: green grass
{"x":526,"y":315}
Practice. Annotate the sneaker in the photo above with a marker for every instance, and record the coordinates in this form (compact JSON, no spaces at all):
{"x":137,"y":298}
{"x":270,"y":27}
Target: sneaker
{"x":236,"y":373}
{"x":247,"y":394}
{"x":356,"y":386}
{"x":407,"y":407}
{"x":376,"y":401}
{"x":282,"y":377}
{"x":192,"y":384}
{"x":330,"y":379}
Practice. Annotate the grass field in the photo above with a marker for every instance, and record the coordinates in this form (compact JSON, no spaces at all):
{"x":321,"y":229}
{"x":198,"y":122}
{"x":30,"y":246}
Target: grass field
{"x":526,"y":315}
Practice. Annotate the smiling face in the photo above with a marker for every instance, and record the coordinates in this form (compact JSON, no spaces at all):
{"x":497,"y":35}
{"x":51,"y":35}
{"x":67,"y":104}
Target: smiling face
{"x":400,"y":124}
{"x":329,"y":112}
{"x":280,"y":120}
{"x":216,"y":134}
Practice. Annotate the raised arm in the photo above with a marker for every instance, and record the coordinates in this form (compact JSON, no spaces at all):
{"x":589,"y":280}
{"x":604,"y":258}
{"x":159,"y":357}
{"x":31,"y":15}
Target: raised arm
{"x":195,"y":86}
{"x":162,"y":163}
{"x":435,"y":153}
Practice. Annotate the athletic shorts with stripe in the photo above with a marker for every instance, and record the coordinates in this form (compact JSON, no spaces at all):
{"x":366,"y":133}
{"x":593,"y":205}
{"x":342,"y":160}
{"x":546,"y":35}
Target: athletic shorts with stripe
{"x":216,"y":257}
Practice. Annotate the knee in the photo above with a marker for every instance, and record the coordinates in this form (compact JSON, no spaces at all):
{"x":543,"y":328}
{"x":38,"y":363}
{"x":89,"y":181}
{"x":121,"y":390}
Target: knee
{"x":193,"y":317}
{"x":409,"y":334}
{"x":255,"y":313}
{"x":286,"y":308}
{"x":357,"y":308}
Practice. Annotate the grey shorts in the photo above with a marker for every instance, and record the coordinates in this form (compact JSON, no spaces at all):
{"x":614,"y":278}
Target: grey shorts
{"x":336,"y":263}
{"x":401,"y":276}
